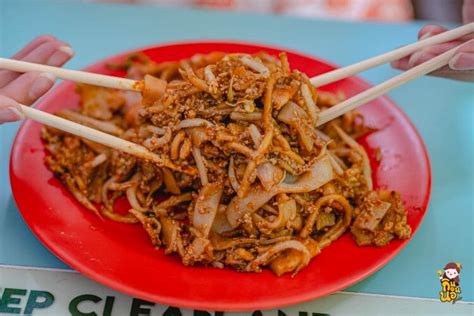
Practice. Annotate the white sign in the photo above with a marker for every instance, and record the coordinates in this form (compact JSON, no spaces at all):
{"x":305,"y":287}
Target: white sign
{"x":31,"y":291}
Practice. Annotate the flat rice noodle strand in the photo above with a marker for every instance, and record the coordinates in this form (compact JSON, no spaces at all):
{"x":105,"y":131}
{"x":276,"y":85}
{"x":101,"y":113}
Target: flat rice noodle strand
{"x":335,"y":231}
{"x":367,"y":170}
{"x":206,"y":207}
{"x":320,"y":173}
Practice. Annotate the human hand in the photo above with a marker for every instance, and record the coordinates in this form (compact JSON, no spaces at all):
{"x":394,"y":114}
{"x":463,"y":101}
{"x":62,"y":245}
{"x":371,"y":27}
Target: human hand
{"x":28,"y":87}
{"x":461,"y":65}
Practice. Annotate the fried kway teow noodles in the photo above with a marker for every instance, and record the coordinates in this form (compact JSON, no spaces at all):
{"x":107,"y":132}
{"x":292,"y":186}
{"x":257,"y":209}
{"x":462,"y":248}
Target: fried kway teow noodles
{"x":248,"y":180}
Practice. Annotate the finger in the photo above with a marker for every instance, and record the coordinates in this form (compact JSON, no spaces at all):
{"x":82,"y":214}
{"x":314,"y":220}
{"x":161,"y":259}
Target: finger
{"x":413,"y":60}
{"x":401,"y":64}
{"x":448,"y":73}
{"x":427,"y":53}
{"x":32,"y":45}
{"x":464,"y":57}
{"x":468,"y":11}
{"x":28,"y":87}
{"x":461,"y":66}
{"x":442,"y":47}
{"x":10,"y":111}
{"x":44,"y":53}
{"x":53,"y":53}
{"x":425,"y":32}
{"x":462,"y":61}
{"x":419,"y":57}
{"x":430,"y":30}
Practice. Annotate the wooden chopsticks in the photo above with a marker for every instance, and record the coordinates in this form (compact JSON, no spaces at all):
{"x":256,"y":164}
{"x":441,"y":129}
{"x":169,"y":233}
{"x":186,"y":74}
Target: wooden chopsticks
{"x":325,"y":116}
{"x":395,"y":54}
{"x":335,"y":75}
{"x":73,"y":75}
{"x":376,"y":91}
{"x":99,"y":137}
{"x":88,"y":133}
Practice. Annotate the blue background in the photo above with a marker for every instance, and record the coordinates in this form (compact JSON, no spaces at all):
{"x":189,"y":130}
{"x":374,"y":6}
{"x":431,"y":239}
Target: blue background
{"x":442,"y":110}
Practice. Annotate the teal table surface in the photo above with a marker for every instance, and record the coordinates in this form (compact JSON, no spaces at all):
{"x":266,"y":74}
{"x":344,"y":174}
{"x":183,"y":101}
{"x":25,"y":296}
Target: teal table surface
{"x":442,"y":110}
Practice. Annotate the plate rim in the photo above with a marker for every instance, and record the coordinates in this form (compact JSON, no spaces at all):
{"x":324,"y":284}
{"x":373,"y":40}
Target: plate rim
{"x":236,"y":306}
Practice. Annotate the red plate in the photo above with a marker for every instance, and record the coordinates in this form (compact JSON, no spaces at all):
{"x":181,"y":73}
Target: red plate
{"x":120,"y":256}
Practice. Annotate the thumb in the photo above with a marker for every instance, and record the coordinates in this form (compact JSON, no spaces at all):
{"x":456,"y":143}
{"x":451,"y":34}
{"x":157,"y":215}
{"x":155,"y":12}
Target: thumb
{"x":10,"y":110}
{"x":463,"y":59}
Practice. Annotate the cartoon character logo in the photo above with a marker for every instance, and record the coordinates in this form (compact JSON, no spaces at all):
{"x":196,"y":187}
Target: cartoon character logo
{"x":449,"y":278}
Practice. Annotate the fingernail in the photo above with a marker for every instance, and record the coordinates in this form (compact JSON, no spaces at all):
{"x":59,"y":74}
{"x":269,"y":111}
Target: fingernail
{"x":426,"y":35}
{"x":462,"y":61}
{"x":42,"y":84}
{"x":68,"y":50}
{"x":10,"y":114}
{"x":414,"y":58}
{"x":60,"y":56}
